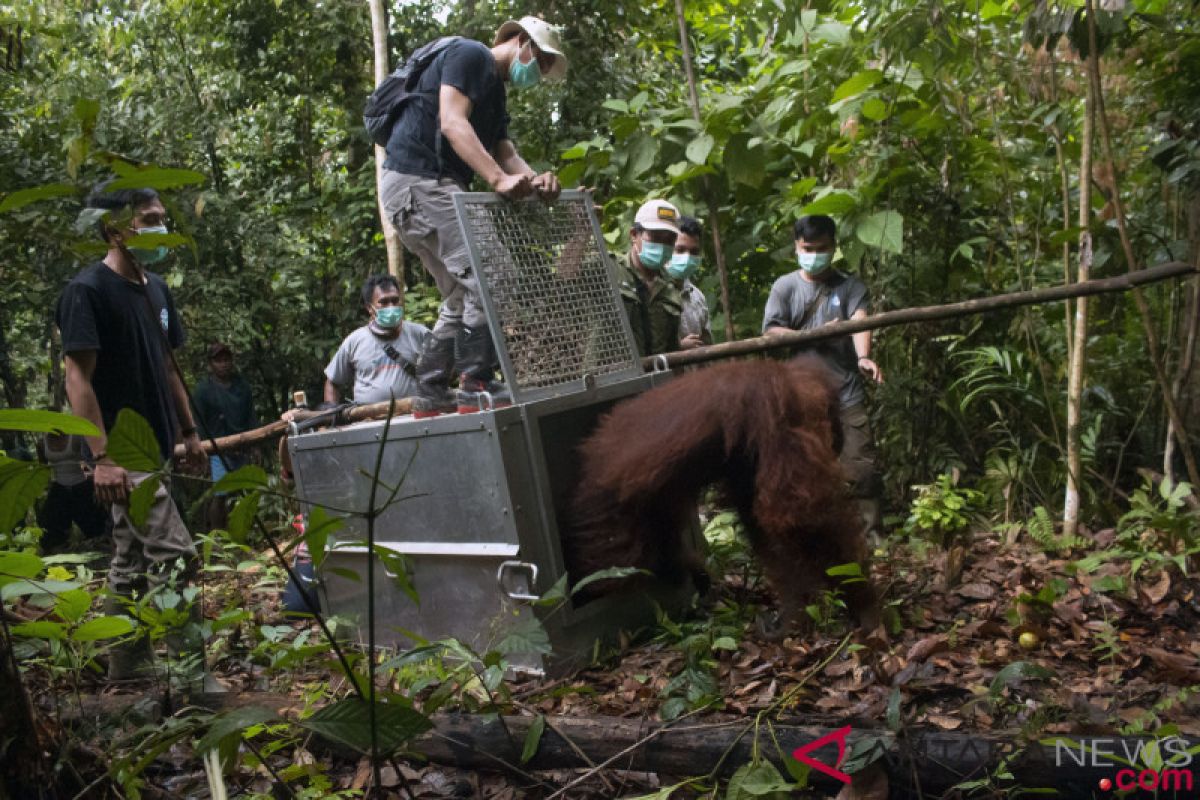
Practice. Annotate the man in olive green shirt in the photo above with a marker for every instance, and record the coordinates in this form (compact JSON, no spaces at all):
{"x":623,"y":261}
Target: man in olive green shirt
{"x":652,"y":301}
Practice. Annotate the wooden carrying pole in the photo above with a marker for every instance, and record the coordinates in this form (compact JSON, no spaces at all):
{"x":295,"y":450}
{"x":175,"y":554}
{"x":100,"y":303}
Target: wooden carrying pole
{"x":888,"y":319}
{"x":763,"y":344}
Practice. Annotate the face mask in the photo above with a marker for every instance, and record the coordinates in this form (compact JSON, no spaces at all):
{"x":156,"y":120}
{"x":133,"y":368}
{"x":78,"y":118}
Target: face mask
{"x":388,"y":316}
{"x":150,"y":255}
{"x":524,"y":76}
{"x":652,"y":255}
{"x":812,"y":263}
{"x":683,"y":265}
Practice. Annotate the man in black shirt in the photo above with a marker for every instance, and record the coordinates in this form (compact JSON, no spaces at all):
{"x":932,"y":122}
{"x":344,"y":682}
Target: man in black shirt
{"x":224,"y":406}
{"x":118,"y":322}
{"x":456,"y":127}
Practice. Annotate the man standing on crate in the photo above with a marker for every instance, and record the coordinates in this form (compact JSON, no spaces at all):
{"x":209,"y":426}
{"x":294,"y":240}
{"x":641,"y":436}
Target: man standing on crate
{"x":450,"y":125}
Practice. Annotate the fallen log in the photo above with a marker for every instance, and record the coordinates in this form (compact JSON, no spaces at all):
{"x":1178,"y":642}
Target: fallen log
{"x":887,"y":319}
{"x":273,"y":430}
{"x":938,"y":760}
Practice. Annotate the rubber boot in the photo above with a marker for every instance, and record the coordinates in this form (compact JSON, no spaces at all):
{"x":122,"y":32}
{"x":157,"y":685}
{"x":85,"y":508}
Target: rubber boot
{"x":435,"y":366}
{"x":478,"y":387}
{"x":133,"y":658}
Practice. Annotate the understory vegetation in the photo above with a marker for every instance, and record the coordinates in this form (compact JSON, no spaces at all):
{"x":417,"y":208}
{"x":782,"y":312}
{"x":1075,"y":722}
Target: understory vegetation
{"x":946,"y":138}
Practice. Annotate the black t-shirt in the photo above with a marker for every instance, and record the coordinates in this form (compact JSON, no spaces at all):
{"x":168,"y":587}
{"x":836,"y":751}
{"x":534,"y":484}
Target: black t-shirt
{"x":416,"y":140}
{"x":224,"y":410}
{"x":99,"y":310}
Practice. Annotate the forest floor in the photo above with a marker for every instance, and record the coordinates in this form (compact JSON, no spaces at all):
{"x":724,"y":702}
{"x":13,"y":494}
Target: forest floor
{"x":1103,"y":653}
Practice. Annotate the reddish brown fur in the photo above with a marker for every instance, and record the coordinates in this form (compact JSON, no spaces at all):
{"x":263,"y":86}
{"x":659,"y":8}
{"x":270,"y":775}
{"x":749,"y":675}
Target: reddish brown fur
{"x":766,"y":431}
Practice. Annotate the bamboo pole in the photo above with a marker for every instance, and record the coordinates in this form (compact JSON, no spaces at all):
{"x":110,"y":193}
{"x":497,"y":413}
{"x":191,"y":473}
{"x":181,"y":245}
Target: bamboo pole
{"x":887,"y":319}
{"x":391,"y":238}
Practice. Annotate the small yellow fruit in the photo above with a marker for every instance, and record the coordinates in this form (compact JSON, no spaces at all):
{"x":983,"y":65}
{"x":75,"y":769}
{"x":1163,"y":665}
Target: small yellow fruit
{"x":1028,"y":640}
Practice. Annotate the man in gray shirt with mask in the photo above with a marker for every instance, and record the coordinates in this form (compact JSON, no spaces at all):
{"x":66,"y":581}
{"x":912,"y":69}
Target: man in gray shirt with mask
{"x":815,"y":295}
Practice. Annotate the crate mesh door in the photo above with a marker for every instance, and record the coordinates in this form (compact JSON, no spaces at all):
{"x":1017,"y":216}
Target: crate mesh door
{"x":549,"y":291}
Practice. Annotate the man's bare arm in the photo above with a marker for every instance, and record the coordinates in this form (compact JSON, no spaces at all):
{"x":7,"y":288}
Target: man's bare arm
{"x":454,"y":111}
{"x":79,"y":368}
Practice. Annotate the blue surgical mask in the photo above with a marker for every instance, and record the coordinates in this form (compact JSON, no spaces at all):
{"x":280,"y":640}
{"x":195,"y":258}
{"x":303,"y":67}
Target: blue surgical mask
{"x":683,"y":265}
{"x":652,"y":255}
{"x":150,"y":255}
{"x":524,"y":76}
{"x":812,"y":263}
{"x":388,"y":316}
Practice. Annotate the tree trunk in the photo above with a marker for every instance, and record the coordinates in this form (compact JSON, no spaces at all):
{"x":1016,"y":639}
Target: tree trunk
{"x":379,"y":37}
{"x":1078,"y":347}
{"x":714,"y":208}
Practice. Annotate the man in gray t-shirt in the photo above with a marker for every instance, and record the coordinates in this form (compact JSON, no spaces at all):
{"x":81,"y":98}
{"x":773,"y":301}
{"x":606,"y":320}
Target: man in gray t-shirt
{"x":816,"y":295}
{"x":379,"y":359}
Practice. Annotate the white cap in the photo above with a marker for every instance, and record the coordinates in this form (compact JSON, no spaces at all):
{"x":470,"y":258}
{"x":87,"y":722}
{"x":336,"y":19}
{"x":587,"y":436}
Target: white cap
{"x":544,"y":35}
{"x":658,"y":215}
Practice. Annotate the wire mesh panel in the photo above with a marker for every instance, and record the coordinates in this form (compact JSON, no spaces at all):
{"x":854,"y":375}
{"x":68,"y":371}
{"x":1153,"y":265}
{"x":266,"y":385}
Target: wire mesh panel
{"x":549,"y":291}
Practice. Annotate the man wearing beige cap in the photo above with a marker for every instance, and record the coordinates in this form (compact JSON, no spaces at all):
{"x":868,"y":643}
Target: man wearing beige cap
{"x":652,"y":302}
{"x":456,"y":127}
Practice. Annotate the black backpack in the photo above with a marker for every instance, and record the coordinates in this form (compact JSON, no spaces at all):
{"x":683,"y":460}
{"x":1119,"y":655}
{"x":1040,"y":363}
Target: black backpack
{"x":388,"y":99}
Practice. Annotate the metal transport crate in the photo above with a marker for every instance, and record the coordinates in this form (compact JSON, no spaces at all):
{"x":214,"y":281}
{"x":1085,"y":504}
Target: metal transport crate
{"x":483,"y":499}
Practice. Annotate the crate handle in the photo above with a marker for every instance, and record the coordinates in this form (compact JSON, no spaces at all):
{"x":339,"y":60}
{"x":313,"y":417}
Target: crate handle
{"x":661,"y":364}
{"x":509,"y":567}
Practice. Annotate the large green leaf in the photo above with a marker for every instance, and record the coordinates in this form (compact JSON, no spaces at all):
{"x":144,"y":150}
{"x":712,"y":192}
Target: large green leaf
{"x":317,"y":529}
{"x":641,"y":152}
{"x":533,"y":737}
{"x":23,"y":197}
{"x":758,"y":779}
{"x":99,"y":628}
{"x":157,"y":178}
{"x":242,"y":517}
{"x":35,"y":588}
{"x":699,"y":148}
{"x":349,"y":722}
{"x":857,"y":84}
{"x":831,"y":204}
{"x":132,"y":444}
{"x":527,"y":636}
{"x":250,"y":476}
{"x":744,"y":164}
{"x":608,"y":574}
{"x":38,"y":421}
{"x":21,"y":484}
{"x":884,"y":230}
{"x":228,"y":726}
{"x":16,"y":564}
{"x":141,"y":499}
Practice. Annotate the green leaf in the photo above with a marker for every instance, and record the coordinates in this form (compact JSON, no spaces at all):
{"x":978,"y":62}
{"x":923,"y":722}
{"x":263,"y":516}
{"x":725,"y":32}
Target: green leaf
{"x":533,"y":738}
{"x":1017,"y":672}
{"x":851,"y":570}
{"x":399,"y":570}
{"x":641,"y":152}
{"x":527,"y":636}
{"x":131,"y":443}
{"x":250,"y":476}
{"x":317,"y":529}
{"x":102,"y":628}
{"x":141,"y":499}
{"x":42,"y":629}
{"x":699,"y":148}
{"x":832,"y":32}
{"x":606,"y":574}
{"x":874,"y":109}
{"x":21,"y":484}
{"x":884,"y":230}
{"x":616,"y":105}
{"x":73,"y":604}
{"x":665,"y":792}
{"x":23,"y":197}
{"x":229,"y":725}
{"x":857,"y":84}
{"x":831,"y":203}
{"x":157,"y":178}
{"x":743,"y":163}
{"x":759,"y":779}
{"x":349,"y":722}
{"x":38,"y":421}
{"x":16,"y":564}
{"x":555,"y":594}
{"x":242,"y":517}
{"x":31,"y":588}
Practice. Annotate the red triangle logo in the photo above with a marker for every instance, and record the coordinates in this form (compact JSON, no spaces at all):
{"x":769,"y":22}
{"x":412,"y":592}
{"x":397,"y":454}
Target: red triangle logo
{"x":839,"y":736}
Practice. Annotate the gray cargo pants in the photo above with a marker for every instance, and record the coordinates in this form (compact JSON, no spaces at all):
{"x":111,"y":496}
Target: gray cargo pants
{"x":422,"y":209}
{"x":144,"y":556}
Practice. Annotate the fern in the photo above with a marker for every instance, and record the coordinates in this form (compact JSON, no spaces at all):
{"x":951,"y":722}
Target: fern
{"x":1042,"y":530}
